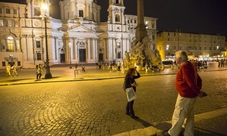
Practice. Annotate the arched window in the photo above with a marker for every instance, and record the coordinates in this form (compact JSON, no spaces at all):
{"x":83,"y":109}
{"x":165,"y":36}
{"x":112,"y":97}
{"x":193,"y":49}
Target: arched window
{"x":10,"y":44}
{"x":117,"y":18}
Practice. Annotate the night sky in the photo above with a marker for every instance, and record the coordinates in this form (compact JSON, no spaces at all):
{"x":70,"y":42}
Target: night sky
{"x":201,"y":16}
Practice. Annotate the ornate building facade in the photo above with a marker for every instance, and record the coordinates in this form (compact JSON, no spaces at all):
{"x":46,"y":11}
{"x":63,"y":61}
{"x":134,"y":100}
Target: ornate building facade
{"x":77,"y":37}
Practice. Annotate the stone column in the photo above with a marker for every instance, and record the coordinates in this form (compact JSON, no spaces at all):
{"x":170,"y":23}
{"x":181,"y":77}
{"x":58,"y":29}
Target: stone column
{"x":89,"y":49}
{"x":140,"y":28}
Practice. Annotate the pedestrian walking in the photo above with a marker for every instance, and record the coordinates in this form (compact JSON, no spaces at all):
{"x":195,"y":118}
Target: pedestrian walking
{"x":83,"y":69}
{"x":188,"y":85}
{"x":39,"y":70}
{"x":8,"y":72}
{"x":146,"y":67}
{"x":222,"y":62}
{"x":118,"y":66}
{"x":111,"y":66}
{"x":14,"y":70}
{"x":76,"y":66}
{"x":129,"y":81}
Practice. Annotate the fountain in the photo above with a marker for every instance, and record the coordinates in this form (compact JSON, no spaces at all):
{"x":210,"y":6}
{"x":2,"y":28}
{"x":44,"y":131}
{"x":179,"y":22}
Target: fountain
{"x":141,"y":53}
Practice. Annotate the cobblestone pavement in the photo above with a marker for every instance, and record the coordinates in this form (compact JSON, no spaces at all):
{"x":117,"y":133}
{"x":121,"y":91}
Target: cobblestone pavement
{"x":96,"y":107}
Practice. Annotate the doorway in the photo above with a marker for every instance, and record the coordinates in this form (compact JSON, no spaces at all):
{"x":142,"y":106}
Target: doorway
{"x":82,"y":55}
{"x":62,"y":58}
{"x":100,"y":57}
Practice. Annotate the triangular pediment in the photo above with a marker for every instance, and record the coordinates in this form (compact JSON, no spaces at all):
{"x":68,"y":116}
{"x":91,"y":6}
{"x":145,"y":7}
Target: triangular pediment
{"x":80,"y":28}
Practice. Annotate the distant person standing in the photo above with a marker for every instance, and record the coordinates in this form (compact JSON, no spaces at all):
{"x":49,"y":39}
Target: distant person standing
{"x":39,"y":70}
{"x":118,"y":66}
{"x":222,"y":62}
{"x":14,"y":70}
{"x":8,"y":72}
{"x":188,"y":85}
{"x":130,"y":77}
{"x":83,"y":69}
{"x":76,"y":66}
{"x":146,"y":67}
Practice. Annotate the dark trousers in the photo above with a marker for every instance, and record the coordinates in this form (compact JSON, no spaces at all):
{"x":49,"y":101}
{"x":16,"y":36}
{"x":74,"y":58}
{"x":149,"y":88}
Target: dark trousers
{"x":38,"y":75}
{"x":129,"y":108}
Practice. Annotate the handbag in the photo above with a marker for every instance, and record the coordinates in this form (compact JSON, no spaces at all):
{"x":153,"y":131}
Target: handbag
{"x":130,"y":93}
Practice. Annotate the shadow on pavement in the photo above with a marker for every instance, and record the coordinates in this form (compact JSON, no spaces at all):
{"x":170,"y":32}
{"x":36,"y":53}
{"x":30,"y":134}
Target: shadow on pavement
{"x":143,"y":122}
{"x":204,"y":132}
{"x":17,"y":79}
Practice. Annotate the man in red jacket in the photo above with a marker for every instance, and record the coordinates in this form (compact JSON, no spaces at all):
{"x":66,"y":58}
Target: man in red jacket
{"x":188,"y":85}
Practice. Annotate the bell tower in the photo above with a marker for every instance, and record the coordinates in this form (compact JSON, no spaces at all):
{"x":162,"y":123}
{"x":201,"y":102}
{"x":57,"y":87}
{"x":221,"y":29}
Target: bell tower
{"x":116,"y":12}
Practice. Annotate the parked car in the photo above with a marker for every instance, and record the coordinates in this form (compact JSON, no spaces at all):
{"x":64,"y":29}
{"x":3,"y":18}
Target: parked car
{"x":168,"y":63}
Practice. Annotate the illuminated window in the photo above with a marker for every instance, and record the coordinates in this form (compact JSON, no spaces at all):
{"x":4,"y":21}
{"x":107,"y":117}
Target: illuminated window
{"x":14,"y":11}
{"x":7,"y":11}
{"x":38,"y":44}
{"x":1,"y":22}
{"x":217,"y":47}
{"x":10,"y":44}
{"x":37,"y":11}
{"x":38,"y":55}
{"x":9,"y":23}
{"x":18,"y":44}
{"x":118,"y":45}
{"x":15,"y":23}
{"x":117,"y":18}
{"x":167,"y":47}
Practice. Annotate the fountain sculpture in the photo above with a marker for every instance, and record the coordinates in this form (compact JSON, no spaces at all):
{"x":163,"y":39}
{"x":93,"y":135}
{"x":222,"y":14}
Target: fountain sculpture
{"x":141,"y":53}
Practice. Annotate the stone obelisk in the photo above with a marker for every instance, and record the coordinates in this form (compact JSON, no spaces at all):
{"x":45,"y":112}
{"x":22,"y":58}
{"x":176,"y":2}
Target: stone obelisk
{"x":140,"y":28}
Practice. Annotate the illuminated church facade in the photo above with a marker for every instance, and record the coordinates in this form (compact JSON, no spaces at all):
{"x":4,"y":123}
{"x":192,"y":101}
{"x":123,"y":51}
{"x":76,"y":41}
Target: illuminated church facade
{"x":77,"y":37}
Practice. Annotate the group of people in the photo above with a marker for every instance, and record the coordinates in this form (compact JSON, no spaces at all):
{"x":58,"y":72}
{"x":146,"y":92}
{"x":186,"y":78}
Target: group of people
{"x":188,"y":84}
{"x":221,"y":63}
{"x":111,"y":66}
{"x":83,"y":68}
{"x":11,"y":70}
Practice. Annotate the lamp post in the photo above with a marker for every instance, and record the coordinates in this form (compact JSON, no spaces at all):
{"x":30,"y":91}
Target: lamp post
{"x":70,"y":54}
{"x":47,"y":67}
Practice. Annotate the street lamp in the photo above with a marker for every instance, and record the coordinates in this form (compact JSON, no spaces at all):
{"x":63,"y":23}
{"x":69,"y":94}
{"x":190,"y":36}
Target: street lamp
{"x":48,"y":74}
{"x":70,"y":53}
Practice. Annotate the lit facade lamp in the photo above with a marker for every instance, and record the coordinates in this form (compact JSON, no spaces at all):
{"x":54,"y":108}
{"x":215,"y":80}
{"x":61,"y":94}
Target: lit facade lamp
{"x":70,"y":54}
{"x":45,"y":17}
